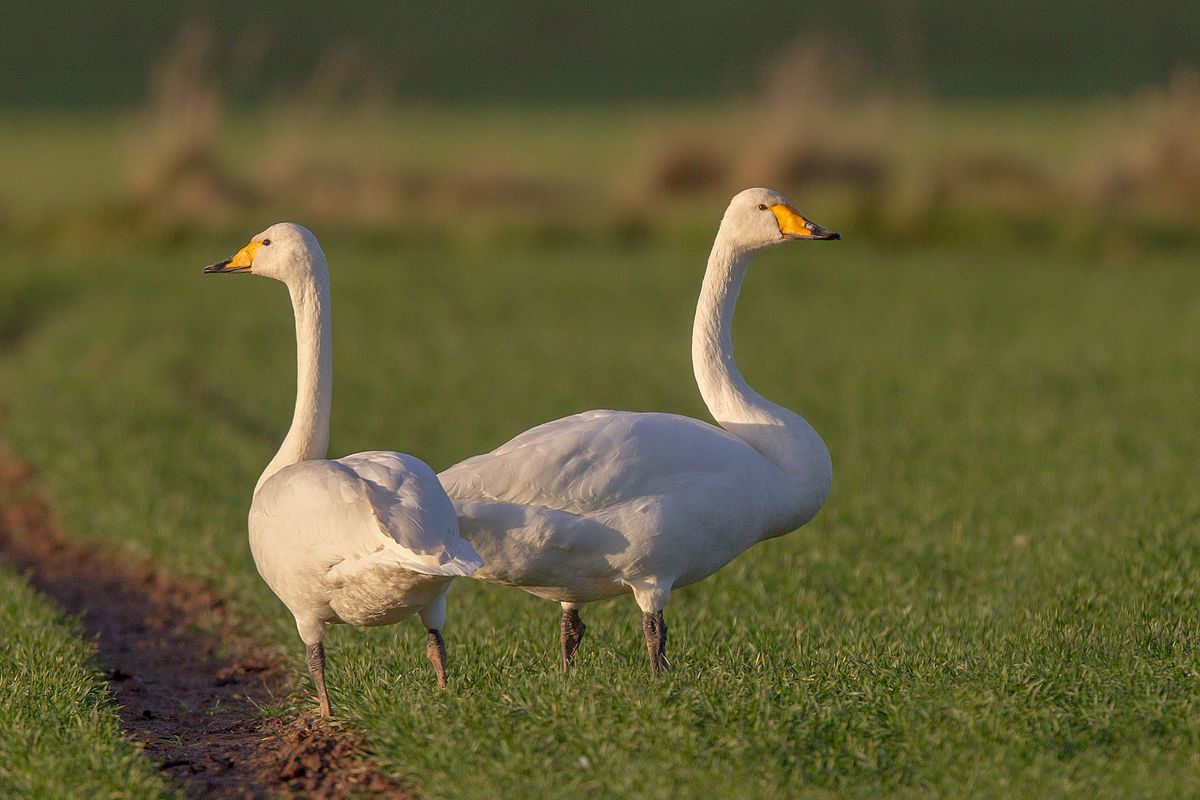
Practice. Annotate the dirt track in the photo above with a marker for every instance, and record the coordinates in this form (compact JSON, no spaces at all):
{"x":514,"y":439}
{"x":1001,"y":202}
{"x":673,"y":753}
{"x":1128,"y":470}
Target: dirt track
{"x":190,"y":698}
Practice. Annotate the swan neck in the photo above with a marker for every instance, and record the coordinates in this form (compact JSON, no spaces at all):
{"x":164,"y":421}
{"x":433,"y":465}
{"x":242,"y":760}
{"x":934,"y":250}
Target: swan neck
{"x":729,"y":398}
{"x":783,"y":437}
{"x":721,"y":384}
{"x":308,"y":437}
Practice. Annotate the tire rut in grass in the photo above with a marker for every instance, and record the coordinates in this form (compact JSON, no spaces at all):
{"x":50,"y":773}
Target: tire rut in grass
{"x":188,"y":687}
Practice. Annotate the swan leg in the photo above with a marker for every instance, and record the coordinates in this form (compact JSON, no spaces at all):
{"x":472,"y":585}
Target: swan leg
{"x":572,"y":629}
{"x":315,"y":658}
{"x":651,"y":595}
{"x":655,"y":629}
{"x":433,"y":617}
{"x":435,"y":650}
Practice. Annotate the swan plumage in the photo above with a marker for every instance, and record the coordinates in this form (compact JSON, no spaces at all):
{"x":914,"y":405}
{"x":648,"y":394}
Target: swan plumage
{"x":368,"y":539}
{"x":608,"y":502}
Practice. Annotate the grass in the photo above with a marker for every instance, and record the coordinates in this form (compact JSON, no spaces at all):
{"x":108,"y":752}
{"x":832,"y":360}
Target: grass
{"x":59,"y":737}
{"x":998,"y":599}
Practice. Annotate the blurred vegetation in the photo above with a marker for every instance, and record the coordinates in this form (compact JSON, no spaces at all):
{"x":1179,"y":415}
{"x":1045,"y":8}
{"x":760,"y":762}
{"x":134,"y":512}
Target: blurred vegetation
{"x":899,"y":121}
{"x":883,"y":159}
{"x":72,"y":54}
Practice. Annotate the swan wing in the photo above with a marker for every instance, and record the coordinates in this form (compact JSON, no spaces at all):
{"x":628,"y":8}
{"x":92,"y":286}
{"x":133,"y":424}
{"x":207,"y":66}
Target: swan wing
{"x":554,"y":554}
{"x":595,"y":460}
{"x":379,"y":507}
{"x":412,"y":510}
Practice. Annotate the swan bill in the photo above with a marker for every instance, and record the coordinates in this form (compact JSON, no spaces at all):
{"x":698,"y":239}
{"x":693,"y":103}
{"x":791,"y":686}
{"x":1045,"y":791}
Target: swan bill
{"x":239,"y":262}
{"x":224,"y":266}
{"x":794,"y":226}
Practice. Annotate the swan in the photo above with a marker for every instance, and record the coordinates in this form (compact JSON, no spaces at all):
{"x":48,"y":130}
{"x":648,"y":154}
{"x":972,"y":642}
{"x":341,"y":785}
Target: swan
{"x":368,"y":539}
{"x":608,"y":502}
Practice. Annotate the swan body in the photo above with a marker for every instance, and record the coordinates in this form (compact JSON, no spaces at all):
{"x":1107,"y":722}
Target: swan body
{"x":368,"y":539}
{"x":608,"y":502}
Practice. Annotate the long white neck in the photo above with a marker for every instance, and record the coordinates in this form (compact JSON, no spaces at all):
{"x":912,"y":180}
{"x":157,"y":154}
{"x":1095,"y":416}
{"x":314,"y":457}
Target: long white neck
{"x":308,"y":438}
{"x":782,"y":436}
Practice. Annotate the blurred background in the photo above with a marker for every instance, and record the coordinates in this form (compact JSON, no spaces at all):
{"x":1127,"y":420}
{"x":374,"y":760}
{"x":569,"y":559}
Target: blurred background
{"x":517,"y":199}
{"x":1071,"y":123}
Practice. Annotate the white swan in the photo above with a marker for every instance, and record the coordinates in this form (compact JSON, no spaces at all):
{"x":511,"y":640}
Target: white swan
{"x":607,"y":502}
{"x":368,"y":539}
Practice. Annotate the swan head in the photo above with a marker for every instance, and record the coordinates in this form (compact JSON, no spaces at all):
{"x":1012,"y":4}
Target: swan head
{"x":285,"y":251}
{"x":759,"y":218}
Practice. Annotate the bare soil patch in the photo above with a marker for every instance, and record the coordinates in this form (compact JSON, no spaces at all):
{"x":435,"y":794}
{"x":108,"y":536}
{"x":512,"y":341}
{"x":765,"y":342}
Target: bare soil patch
{"x":190,"y":689}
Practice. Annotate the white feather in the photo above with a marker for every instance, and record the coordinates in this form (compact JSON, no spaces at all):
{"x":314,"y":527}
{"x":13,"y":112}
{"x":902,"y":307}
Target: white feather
{"x":606,"y":502}
{"x":368,"y":539}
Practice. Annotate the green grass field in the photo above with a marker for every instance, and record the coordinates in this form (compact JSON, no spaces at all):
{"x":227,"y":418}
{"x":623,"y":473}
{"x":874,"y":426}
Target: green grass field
{"x":59,"y":737}
{"x":999,"y":598}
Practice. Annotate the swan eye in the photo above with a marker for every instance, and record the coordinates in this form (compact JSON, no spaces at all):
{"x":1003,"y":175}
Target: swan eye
{"x":761,"y":207}
{"x":266,"y":242}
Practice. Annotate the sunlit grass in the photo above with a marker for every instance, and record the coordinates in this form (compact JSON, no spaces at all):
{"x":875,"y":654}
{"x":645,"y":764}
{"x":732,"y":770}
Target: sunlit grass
{"x":59,"y":736}
{"x":998,"y":598}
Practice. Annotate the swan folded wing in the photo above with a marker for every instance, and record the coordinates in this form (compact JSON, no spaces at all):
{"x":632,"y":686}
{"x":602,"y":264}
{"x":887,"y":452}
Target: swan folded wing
{"x":598,"y":459}
{"x":364,"y":507}
{"x":559,"y":464}
{"x":534,"y":546}
{"x":409,"y":507}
